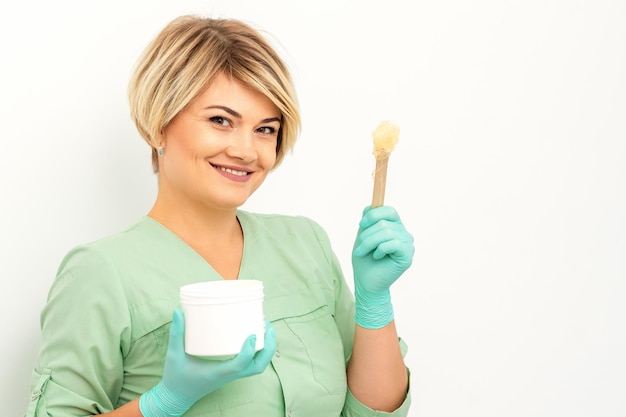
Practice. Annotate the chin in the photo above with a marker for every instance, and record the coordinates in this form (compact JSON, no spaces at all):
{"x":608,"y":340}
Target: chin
{"x":231,"y":203}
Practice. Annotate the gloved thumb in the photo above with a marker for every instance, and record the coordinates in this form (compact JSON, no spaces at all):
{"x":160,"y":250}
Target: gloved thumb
{"x":177,"y":332}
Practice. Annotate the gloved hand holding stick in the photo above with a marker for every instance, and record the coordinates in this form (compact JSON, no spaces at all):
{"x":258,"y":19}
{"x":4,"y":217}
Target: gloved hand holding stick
{"x":383,"y":248}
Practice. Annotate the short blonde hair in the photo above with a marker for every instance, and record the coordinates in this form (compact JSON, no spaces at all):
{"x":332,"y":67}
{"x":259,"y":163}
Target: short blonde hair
{"x":184,"y":58}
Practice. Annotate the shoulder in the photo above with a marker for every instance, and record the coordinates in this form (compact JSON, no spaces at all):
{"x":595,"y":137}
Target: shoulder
{"x":101,"y":256}
{"x":142,"y":231}
{"x":292,"y":234}
{"x":129,"y":239}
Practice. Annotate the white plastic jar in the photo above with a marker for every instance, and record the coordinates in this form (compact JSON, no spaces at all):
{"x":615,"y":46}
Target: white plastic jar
{"x":220,"y":315}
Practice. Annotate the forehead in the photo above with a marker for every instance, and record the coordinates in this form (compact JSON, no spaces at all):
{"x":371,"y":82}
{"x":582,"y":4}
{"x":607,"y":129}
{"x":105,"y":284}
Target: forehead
{"x":228,"y":91}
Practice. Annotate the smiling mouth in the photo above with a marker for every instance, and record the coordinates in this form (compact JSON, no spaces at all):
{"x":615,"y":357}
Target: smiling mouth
{"x":231,"y":171}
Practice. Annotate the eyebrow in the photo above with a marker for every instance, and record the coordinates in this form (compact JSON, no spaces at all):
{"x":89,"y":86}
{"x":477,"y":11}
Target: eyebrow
{"x":238,"y":116}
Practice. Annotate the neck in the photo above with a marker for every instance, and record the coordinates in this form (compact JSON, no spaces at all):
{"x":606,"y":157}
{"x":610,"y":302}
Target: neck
{"x":195,"y":223}
{"x":198,"y":225}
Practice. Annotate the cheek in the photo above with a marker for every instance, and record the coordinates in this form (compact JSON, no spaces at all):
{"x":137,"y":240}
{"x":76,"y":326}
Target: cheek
{"x":268,"y":155}
{"x":181,"y":162}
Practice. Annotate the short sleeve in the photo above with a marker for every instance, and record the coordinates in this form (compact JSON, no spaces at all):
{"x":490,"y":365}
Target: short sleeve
{"x":355,"y":408}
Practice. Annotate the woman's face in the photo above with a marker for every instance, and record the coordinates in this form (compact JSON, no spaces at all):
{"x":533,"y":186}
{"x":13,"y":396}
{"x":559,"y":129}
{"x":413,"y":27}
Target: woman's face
{"x":220,"y":148}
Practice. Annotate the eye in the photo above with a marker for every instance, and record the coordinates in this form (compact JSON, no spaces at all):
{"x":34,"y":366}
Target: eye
{"x":222,"y":121}
{"x":267,"y":130}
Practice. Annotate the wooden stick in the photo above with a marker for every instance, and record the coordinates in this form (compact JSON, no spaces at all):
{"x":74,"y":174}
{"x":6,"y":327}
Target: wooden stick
{"x":385,"y":137}
{"x":380,"y":180}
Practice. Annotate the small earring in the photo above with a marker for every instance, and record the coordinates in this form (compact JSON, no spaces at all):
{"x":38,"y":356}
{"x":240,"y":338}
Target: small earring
{"x":160,"y":150}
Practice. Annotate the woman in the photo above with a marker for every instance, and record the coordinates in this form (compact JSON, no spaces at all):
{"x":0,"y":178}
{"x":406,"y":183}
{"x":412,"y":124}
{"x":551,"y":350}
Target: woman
{"x":217,"y":106}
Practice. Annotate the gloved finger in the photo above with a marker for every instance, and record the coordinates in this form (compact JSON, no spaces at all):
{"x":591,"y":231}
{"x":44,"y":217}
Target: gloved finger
{"x":373,"y":215}
{"x":385,"y":228}
{"x":245,"y":356}
{"x":176,"y":343}
{"x":400,"y":252}
{"x":369,"y":239}
{"x":265,"y":355}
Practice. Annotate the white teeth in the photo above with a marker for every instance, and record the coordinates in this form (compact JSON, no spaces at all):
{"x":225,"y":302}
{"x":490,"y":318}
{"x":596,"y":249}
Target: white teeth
{"x":232,"y":171}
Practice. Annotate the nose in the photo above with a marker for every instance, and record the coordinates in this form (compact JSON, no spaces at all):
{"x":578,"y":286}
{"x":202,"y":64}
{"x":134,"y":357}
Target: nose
{"x":242,"y":148}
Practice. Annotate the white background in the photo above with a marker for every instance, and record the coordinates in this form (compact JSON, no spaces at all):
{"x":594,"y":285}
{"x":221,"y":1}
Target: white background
{"x":510,"y":173}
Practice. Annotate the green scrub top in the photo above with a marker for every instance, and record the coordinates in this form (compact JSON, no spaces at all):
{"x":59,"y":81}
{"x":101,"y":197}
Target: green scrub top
{"x":105,"y":326}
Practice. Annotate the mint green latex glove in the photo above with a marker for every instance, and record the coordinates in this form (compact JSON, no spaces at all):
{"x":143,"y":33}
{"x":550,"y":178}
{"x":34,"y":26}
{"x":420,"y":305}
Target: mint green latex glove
{"x":187,"y":378}
{"x":382,"y":251}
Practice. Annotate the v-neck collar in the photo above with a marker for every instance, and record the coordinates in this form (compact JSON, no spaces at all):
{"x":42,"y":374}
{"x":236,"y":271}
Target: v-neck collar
{"x":188,"y":251}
